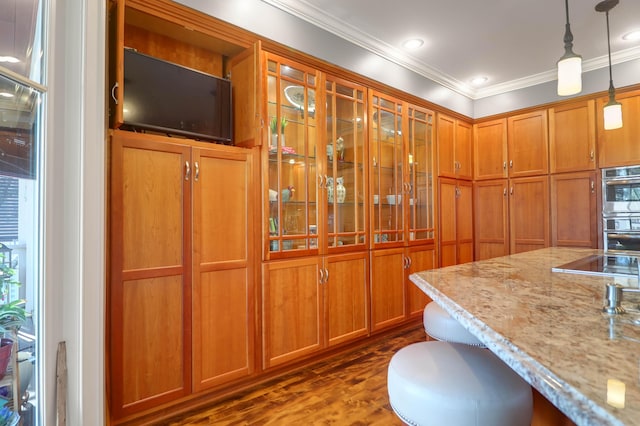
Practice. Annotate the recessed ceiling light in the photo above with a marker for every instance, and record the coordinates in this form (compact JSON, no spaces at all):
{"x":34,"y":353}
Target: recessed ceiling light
{"x":477,"y":81}
{"x":413,"y":43}
{"x":9,"y":59}
{"x":632,"y":36}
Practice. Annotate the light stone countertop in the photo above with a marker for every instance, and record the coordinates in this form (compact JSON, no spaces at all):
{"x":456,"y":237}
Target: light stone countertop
{"x":549,"y":327}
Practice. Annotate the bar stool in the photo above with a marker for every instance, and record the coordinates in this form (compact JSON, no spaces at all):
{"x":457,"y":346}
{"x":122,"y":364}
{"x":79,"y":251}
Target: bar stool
{"x":439,"y":383}
{"x":439,"y":325}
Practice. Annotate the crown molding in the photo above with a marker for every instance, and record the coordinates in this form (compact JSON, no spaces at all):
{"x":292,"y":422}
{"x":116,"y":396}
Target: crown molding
{"x":308,"y":12}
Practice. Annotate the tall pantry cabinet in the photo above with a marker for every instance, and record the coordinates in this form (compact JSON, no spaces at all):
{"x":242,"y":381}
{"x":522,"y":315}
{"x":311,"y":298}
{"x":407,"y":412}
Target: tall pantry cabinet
{"x":511,"y":185}
{"x":455,"y":195}
{"x":181,"y":277}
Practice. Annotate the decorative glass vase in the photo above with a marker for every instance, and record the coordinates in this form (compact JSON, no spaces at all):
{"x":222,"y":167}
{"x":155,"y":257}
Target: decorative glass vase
{"x":330,"y":189}
{"x":341,"y":191}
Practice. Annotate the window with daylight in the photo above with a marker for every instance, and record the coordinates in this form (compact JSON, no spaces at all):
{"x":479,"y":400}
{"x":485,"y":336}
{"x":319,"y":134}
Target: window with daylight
{"x":21,"y":143}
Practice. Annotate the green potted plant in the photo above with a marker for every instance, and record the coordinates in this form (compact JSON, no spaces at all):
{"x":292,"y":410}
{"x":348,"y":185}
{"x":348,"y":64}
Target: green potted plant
{"x":12,"y":314}
{"x":274,"y":130}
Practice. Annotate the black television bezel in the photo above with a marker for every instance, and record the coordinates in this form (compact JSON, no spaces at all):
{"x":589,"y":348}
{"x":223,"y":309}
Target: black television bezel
{"x":172,"y":130}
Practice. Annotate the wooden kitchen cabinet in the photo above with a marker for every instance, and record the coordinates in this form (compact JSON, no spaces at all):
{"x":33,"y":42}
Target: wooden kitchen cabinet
{"x":491,"y":213}
{"x":490,"y":149}
{"x":456,"y":221}
{"x":223,"y":266}
{"x":165,"y":198}
{"x":572,"y":137}
{"x":291,"y":309}
{"x":312,"y":303}
{"x":418,"y":258}
{"x":528,"y":213}
{"x":455,"y":148}
{"x":574,"y":210}
{"x":528,"y":146}
{"x":620,"y":147}
{"x":346,"y":297}
{"x":387,"y":288}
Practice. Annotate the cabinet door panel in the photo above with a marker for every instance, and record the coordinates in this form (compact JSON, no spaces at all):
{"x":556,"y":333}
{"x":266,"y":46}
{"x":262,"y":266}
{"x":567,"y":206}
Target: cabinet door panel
{"x":446,"y":146}
{"x":447,"y":220}
{"x":491,"y":219}
{"x":246,"y":76}
{"x":221,"y":325}
{"x":291,"y":301}
{"x":572,"y":137}
{"x":346,"y":298}
{"x":150,"y":279}
{"x":490,"y":149}
{"x":573,"y":210}
{"x":529,"y":213}
{"x":528,"y":144}
{"x":153,"y":367}
{"x":387,"y":288}
{"x":464,"y":222}
{"x":464,"y":150}
{"x":620,"y":147}
{"x":222,"y":267}
{"x":421,"y":259}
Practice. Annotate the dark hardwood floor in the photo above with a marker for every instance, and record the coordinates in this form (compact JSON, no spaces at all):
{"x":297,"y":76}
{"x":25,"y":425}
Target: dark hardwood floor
{"x":348,"y":389}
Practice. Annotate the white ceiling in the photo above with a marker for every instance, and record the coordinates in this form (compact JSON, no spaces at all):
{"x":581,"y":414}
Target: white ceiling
{"x":515,"y":43}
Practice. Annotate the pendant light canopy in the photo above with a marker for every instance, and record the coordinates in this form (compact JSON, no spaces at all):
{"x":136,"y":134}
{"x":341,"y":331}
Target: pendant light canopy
{"x":570,"y":65}
{"x":613,"y":109}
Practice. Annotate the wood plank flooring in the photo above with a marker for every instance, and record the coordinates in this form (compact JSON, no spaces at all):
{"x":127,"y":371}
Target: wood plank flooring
{"x":348,"y":389}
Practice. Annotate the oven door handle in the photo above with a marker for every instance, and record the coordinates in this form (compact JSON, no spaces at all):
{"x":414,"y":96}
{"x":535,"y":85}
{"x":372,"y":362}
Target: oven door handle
{"x":626,"y":234}
{"x":623,"y":181}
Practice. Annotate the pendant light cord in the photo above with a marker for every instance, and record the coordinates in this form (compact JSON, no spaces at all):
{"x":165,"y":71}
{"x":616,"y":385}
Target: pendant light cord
{"x":568,"y":37}
{"x":611,"y":88}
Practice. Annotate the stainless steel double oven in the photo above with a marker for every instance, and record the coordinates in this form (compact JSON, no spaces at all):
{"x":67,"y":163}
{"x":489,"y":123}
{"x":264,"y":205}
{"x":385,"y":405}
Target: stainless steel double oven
{"x":621,"y":209}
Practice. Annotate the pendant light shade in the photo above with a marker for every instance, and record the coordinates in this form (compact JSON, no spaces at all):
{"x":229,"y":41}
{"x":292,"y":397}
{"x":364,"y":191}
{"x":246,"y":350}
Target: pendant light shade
{"x":570,"y":65}
{"x":612,"y":110}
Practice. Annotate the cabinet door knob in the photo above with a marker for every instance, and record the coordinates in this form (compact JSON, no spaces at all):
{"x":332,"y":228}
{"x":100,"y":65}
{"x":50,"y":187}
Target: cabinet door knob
{"x":504,"y":165}
{"x":187,"y":170}
{"x":511,"y":192}
{"x":196,"y":174}
{"x":593,"y":187}
{"x":326,"y":275}
{"x":592,"y":156}
{"x":504,"y":192}
{"x":511,"y":163}
{"x":321,"y":271}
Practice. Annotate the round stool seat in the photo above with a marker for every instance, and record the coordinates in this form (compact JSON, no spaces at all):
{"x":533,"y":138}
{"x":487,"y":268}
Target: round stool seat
{"x":452,"y":384}
{"x":441,"y":326}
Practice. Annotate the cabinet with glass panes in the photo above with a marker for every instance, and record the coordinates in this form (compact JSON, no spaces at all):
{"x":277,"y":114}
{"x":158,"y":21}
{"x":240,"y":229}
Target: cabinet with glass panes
{"x":314,"y":281}
{"x":402,"y":216}
{"x":292,"y":166}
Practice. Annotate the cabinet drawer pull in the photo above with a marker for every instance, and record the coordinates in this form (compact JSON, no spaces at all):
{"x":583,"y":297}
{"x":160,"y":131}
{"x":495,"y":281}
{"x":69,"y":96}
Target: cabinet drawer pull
{"x":409,"y":262}
{"x":326,"y":275}
{"x":196,"y":175}
{"x":321,"y":271}
{"x":187,"y":170}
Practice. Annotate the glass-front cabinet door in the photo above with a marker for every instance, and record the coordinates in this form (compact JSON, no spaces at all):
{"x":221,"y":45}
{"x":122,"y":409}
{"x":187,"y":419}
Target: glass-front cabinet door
{"x":386,"y":170}
{"x":345,"y":179}
{"x":420,"y":175}
{"x":292,"y":167}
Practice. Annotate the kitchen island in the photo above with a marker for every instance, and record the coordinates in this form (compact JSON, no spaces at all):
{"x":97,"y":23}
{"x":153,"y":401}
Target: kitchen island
{"x":549,"y":327}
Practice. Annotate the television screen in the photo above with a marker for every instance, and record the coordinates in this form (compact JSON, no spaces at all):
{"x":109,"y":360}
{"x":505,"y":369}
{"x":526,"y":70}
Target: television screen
{"x":170,"y":98}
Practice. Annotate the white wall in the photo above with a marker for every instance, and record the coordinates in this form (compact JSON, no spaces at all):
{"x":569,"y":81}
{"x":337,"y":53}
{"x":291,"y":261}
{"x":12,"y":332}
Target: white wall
{"x":259,"y":17}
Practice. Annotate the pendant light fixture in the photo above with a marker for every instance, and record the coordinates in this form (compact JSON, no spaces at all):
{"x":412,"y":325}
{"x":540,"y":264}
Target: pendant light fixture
{"x":570,"y":65}
{"x":613,"y":109}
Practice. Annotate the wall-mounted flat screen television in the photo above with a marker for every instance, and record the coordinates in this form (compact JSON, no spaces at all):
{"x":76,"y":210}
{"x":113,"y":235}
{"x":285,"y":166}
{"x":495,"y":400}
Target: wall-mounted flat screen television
{"x":169,"y":98}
